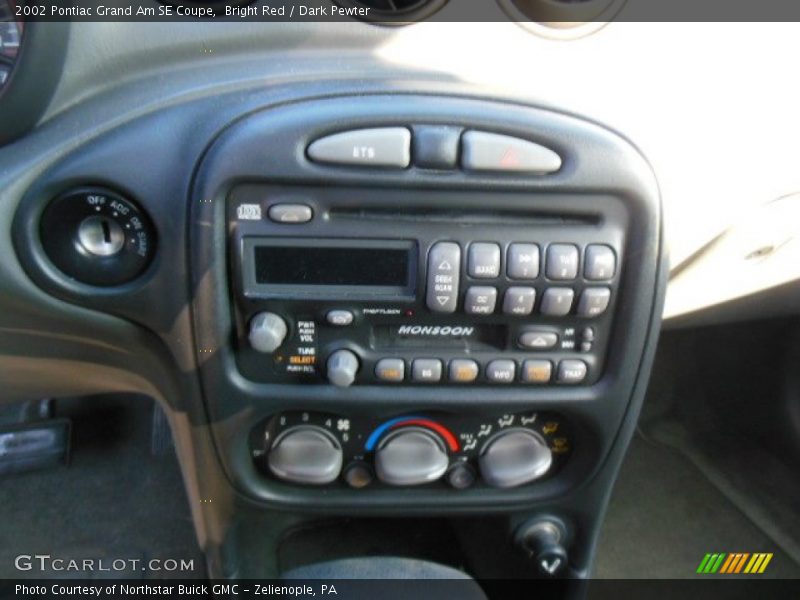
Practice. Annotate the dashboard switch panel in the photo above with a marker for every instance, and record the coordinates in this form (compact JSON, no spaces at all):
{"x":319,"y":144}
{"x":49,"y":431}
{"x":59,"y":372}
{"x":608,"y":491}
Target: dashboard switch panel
{"x":436,"y":449}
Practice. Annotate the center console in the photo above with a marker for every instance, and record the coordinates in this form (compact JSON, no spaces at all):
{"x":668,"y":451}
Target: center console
{"x":423,"y":304}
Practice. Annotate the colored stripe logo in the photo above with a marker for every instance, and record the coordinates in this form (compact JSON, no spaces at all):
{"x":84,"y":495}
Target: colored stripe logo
{"x":734,"y":563}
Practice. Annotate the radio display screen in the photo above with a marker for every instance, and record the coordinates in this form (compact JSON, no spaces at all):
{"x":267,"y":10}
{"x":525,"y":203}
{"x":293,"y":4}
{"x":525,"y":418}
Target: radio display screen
{"x":333,"y":266}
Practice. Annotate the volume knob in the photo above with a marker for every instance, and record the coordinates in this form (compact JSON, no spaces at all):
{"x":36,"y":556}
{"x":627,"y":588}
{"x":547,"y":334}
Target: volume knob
{"x":267,"y":332}
{"x":342,"y":368}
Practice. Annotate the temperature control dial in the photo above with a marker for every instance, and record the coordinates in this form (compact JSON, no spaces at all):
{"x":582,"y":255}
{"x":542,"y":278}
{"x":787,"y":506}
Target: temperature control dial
{"x":411,"y":456}
{"x":97,"y":237}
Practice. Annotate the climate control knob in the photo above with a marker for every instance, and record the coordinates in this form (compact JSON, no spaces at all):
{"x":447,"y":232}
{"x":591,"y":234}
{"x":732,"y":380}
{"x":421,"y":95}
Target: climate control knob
{"x":267,"y":332}
{"x":411,"y":456}
{"x":514,"y":457}
{"x":342,"y":368}
{"x":306,"y":454}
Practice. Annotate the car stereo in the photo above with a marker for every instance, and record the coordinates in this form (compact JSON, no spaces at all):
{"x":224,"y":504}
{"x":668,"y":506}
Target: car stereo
{"x":489,"y":293}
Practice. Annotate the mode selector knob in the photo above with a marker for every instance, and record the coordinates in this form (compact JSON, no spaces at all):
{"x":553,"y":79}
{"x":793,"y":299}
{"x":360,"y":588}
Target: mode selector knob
{"x":267,"y":332}
{"x":306,"y":454}
{"x":411,"y":456}
{"x":342,"y":368}
{"x":514,"y":457}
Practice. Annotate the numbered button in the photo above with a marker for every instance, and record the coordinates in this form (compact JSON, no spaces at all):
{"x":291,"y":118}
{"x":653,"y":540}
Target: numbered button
{"x":480,"y":300}
{"x":557,"y":302}
{"x":523,"y":261}
{"x":601,"y":262}
{"x":519,"y":301}
{"x":594,"y":302}
{"x":562,"y":262}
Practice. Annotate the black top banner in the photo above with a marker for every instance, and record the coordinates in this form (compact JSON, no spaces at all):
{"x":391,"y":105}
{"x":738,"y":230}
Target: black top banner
{"x":558,"y":13}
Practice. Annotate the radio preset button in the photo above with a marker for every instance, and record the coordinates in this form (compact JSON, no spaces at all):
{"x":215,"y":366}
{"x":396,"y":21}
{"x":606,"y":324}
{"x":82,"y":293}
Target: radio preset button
{"x":537,"y":371}
{"x":426,"y":370}
{"x":377,"y":147}
{"x":480,"y":300}
{"x":572,"y":371}
{"x":594,"y":302}
{"x":390,"y":369}
{"x":601,"y":262}
{"x":538,"y":340}
{"x":339,"y":318}
{"x":523,"y":261}
{"x":501,"y":371}
{"x":290,"y":213}
{"x":557,"y":302}
{"x":463,"y":370}
{"x":519,"y":301}
{"x":483,"y":260}
{"x":562,"y":262}
{"x":444,"y":265}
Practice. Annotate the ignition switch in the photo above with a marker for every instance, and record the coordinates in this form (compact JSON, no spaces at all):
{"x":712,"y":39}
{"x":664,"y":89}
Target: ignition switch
{"x":97,"y":236}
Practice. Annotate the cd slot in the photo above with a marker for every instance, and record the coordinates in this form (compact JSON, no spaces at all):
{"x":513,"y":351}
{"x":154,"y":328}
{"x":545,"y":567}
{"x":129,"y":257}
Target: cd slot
{"x":473,"y":217}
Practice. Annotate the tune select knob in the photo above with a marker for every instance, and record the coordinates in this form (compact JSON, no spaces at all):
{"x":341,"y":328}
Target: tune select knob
{"x":267,"y":332}
{"x":342,"y":368}
{"x":306,"y":454}
{"x":514,"y":457}
{"x":411,"y":456}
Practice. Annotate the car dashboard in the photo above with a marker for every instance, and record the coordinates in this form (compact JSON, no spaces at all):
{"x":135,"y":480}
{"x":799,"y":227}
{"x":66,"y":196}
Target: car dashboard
{"x":387,"y":271}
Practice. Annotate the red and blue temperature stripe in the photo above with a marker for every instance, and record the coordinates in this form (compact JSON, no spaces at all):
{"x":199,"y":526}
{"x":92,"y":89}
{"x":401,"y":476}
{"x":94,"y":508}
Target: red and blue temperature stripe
{"x":446,"y":434}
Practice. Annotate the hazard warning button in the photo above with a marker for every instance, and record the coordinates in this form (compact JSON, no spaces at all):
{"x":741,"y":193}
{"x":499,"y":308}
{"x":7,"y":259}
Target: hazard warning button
{"x":482,"y":151}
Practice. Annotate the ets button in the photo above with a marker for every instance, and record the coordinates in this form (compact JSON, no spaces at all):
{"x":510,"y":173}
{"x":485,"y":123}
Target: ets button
{"x":378,"y":147}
